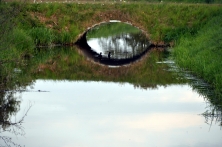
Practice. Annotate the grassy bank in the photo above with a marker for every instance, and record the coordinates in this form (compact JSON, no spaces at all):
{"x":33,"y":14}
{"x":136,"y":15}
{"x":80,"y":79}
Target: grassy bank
{"x":55,"y":23}
{"x":202,"y":53}
{"x":58,"y":23}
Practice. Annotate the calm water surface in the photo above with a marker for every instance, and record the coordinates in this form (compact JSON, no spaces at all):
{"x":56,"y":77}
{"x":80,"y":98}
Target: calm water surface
{"x":100,"y":114}
{"x":120,"y":39}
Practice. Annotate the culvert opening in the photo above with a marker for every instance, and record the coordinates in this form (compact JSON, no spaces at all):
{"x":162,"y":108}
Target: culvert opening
{"x":114,"y":43}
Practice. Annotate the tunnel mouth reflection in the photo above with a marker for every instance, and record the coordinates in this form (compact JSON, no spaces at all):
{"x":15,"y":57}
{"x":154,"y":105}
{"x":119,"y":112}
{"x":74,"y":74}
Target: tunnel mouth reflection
{"x":114,"y":43}
{"x":119,"y":39}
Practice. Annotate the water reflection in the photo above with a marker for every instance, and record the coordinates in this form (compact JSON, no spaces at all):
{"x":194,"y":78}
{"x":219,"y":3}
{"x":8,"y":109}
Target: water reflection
{"x":213,"y":111}
{"x":143,"y":104}
{"x":113,"y":114}
{"x":114,"y":43}
{"x":121,"y":46}
{"x":9,"y":107}
{"x":62,"y":63}
{"x":12,"y":81}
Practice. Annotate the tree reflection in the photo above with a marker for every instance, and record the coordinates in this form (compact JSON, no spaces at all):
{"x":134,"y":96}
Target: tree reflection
{"x":120,"y":39}
{"x":10,"y":85}
{"x":124,"y":45}
{"x":9,"y":106}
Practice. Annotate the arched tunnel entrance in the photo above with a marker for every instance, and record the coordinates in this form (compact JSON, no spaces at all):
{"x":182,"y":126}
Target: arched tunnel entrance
{"x":117,"y":43}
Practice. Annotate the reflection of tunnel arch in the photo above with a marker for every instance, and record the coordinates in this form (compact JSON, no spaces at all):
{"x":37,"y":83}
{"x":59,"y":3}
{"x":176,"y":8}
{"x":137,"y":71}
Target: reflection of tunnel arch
{"x":84,"y":46}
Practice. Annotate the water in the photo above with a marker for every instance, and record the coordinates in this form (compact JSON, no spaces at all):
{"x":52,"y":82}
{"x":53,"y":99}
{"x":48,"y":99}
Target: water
{"x":98,"y":114}
{"x":150,"y":104}
{"x":120,"y":39}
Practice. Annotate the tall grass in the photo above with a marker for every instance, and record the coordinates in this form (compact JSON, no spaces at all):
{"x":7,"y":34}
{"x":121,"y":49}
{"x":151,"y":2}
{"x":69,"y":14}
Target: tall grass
{"x":13,"y":59}
{"x":202,"y":53}
{"x":22,"y":42}
{"x":12,"y":56}
{"x":42,"y":36}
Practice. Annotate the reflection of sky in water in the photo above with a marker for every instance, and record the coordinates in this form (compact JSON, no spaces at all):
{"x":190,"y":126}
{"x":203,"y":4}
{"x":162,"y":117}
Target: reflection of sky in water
{"x":94,"y":43}
{"x":105,"y":44}
{"x":120,"y":46}
{"x":98,"y":114}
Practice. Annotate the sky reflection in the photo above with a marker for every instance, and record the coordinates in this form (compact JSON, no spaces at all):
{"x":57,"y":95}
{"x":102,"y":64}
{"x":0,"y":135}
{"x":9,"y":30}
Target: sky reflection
{"x":98,"y":114}
{"x":120,"y":39}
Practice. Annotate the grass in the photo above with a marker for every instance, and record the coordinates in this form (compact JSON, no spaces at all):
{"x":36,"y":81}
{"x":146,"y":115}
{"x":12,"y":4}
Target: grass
{"x":163,"y":22}
{"x":135,"y":1}
{"x":42,"y":36}
{"x":202,"y":53}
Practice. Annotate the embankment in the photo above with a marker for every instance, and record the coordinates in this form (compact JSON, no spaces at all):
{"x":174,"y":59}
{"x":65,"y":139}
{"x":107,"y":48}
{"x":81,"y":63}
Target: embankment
{"x":57,"y":23}
{"x":202,"y":53}
{"x":192,"y":29}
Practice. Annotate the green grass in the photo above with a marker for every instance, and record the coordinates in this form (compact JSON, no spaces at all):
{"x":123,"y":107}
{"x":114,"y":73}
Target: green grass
{"x":182,"y":1}
{"x":139,"y":1}
{"x":163,"y":22}
{"x":202,"y":53}
{"x":42,"y":36}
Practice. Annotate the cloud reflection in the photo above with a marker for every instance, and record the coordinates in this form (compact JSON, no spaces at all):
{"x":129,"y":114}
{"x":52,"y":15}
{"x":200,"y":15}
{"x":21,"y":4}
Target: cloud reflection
{"x":98,"y":114}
